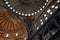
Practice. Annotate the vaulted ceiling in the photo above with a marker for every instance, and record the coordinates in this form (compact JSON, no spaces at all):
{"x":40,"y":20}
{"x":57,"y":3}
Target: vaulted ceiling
{"x":19,"y":17}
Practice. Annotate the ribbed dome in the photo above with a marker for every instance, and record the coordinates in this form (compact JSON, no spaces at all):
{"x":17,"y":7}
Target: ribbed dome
{"x":10,"y":24}
{"x":26,"y":7}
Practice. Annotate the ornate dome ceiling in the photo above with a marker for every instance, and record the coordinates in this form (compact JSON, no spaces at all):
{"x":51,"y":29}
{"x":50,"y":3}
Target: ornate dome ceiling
{"x":26,"y":7}
{"x":20,"y":18}
{"x":11,"y":26}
